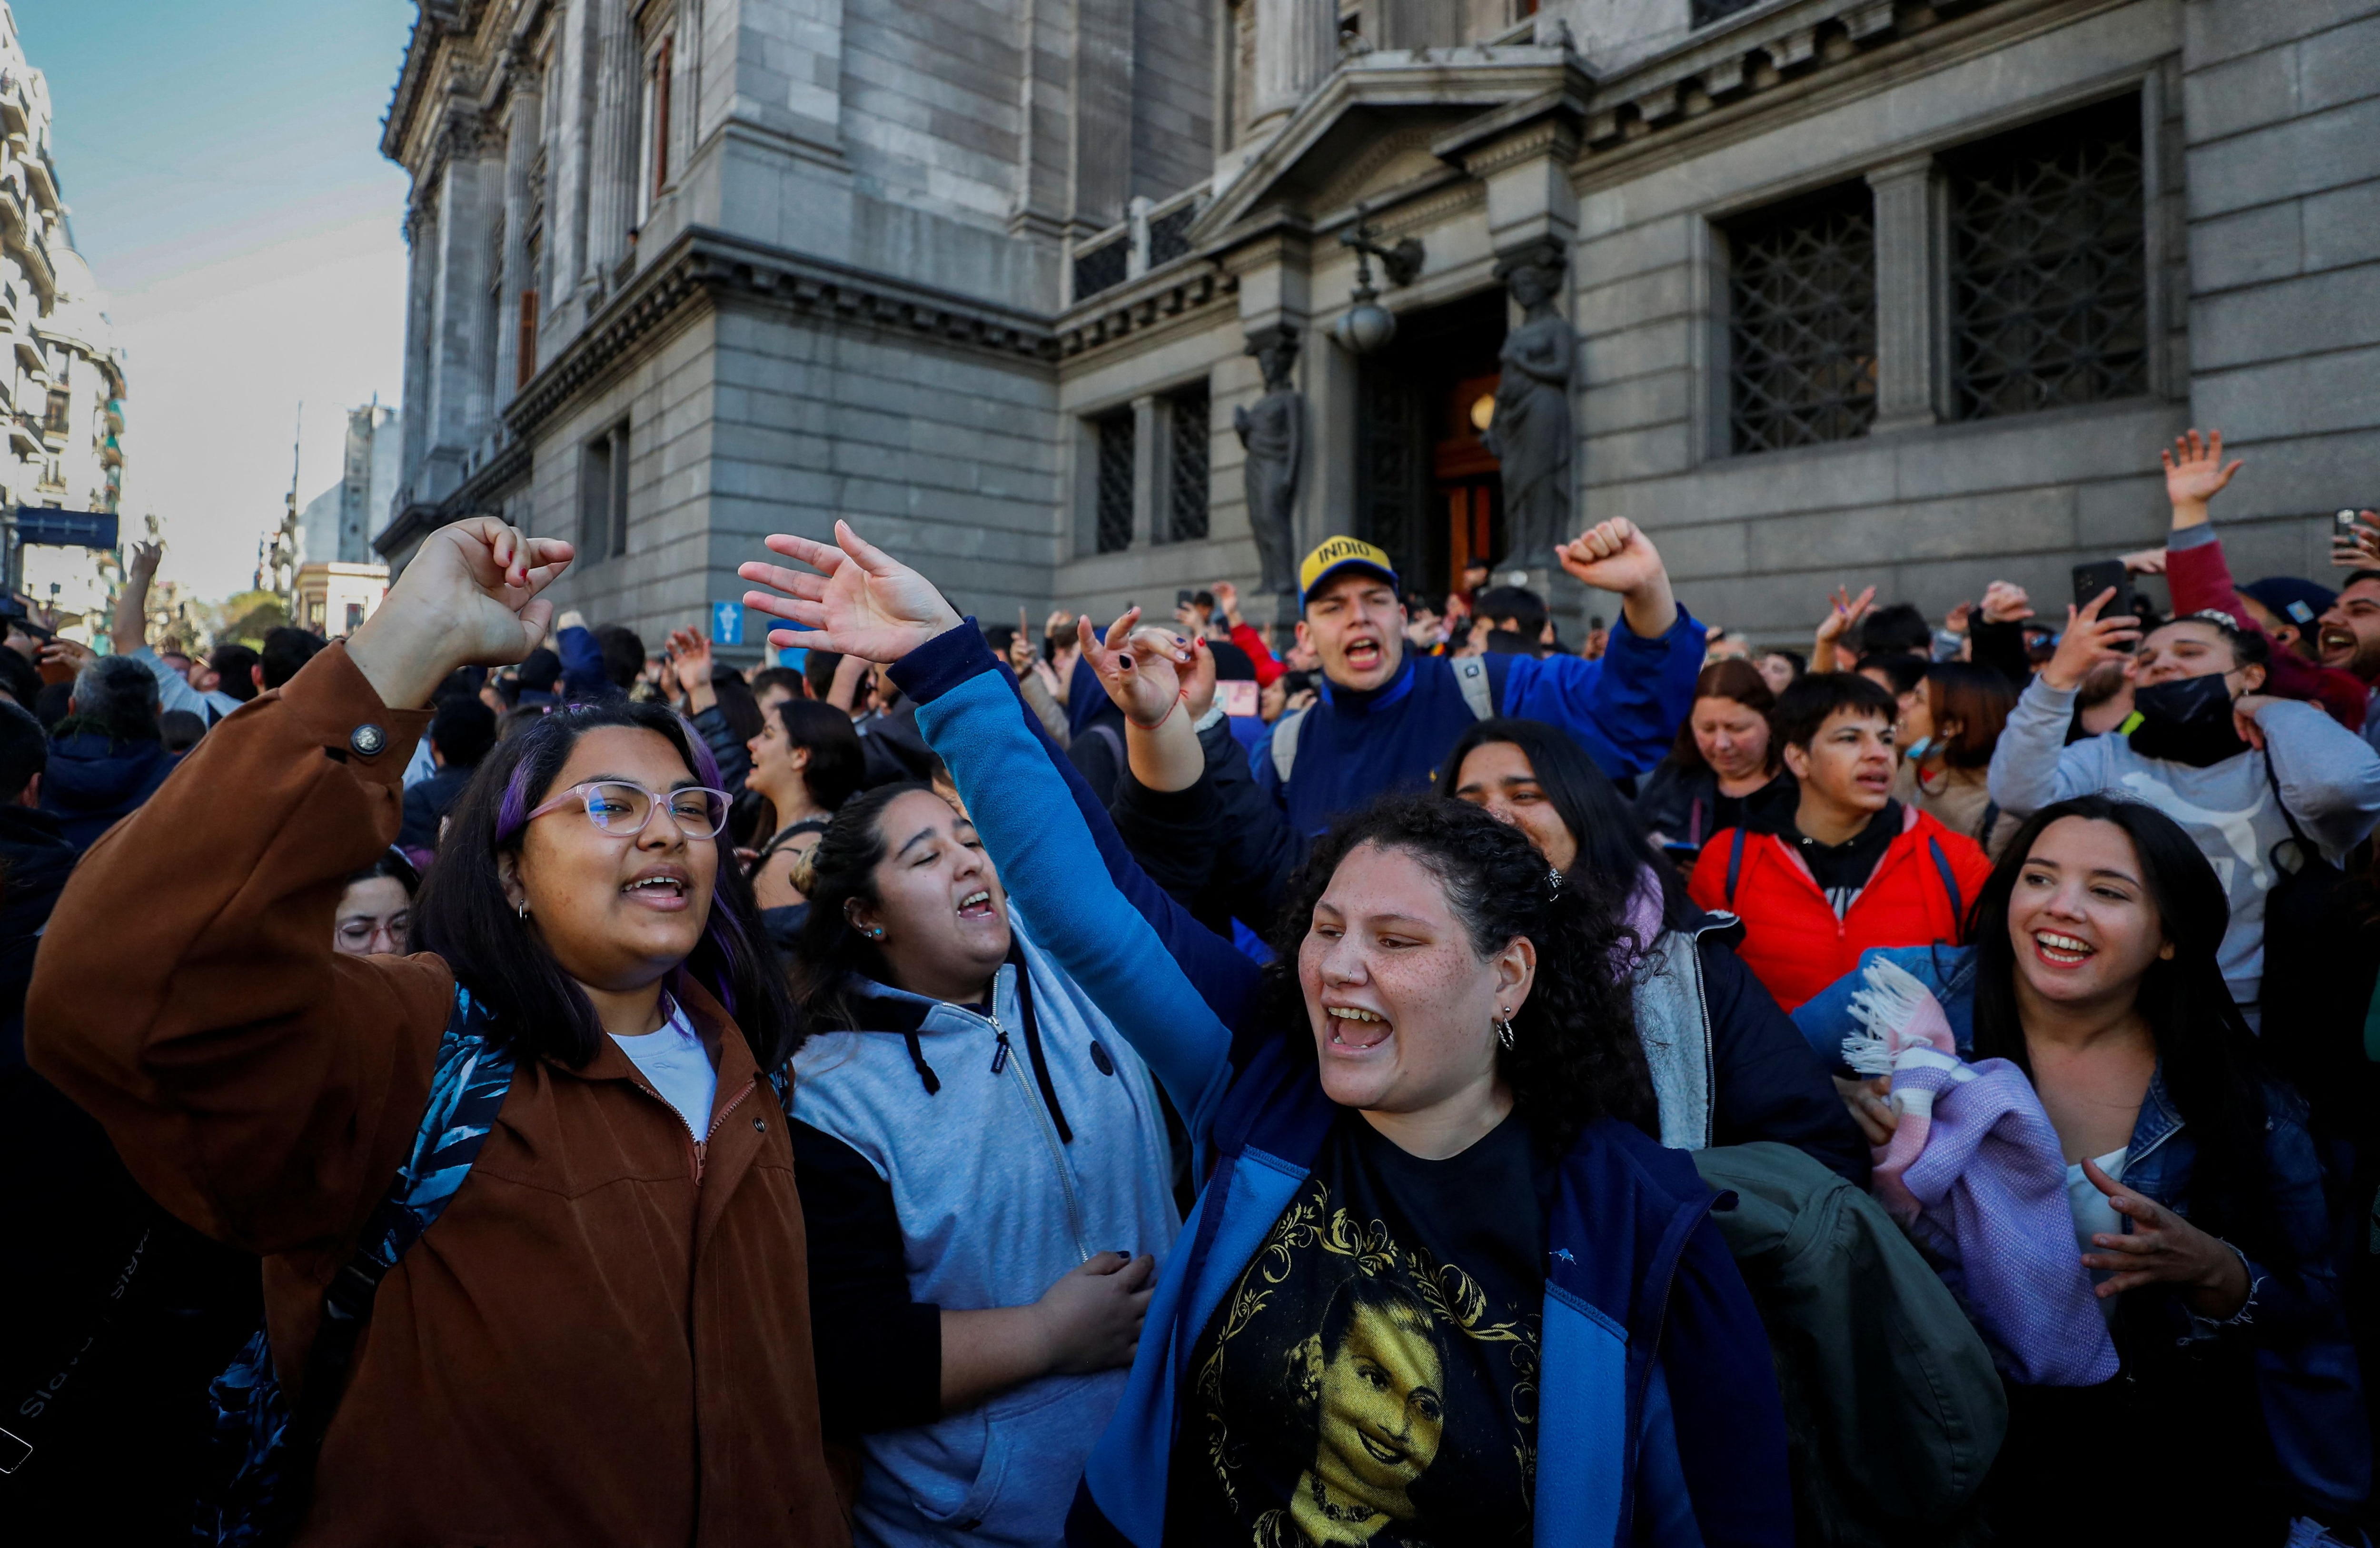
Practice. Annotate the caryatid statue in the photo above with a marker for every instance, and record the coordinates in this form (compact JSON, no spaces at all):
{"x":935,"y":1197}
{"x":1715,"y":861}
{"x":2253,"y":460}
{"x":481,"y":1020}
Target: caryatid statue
{"x":1273,"y":433}
{"x":1531,"y":434}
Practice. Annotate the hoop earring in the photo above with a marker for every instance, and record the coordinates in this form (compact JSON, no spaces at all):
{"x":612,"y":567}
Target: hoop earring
{"x":1504,"y":1025}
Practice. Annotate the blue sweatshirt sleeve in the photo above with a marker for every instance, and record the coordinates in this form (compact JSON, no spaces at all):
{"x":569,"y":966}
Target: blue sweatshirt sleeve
{"x":1170,"y":984}
{"x":1625,"y":709}
{"x":584,"y":680}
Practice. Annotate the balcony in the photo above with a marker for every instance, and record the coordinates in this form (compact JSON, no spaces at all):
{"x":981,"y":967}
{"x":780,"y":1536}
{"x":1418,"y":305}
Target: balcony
{"x":24,"y":436}
{"x":43,"y":181}
{"x":13,"y":117}
{"x":29,"y":355}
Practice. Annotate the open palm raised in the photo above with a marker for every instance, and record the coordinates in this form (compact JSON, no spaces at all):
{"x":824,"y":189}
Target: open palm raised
{"x":851,"y":598}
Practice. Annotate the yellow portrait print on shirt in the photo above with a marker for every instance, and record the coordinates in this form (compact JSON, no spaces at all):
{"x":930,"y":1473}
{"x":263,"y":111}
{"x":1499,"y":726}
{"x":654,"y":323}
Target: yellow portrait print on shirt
{"x":1374,"y":1377}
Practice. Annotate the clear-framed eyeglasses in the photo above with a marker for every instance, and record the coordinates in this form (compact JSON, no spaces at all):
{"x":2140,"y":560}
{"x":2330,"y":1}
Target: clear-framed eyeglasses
{"x":624,"y":809}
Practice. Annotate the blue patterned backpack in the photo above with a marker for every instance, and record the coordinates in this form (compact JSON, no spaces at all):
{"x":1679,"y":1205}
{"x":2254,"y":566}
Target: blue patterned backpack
{"x":261,"y":1469}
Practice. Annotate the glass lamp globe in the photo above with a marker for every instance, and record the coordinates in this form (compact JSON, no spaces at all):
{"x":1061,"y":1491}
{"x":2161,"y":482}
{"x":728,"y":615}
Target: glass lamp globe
{"x":1366,"y":326}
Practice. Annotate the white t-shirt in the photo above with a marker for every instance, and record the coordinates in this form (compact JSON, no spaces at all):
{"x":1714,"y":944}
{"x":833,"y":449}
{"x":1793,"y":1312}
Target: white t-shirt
{"x":2095,"y":1216}
{"x":679,"y":1067}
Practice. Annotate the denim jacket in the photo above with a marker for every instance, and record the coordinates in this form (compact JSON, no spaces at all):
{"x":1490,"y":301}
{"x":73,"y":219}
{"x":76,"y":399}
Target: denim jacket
{"x":2296,"y":1322}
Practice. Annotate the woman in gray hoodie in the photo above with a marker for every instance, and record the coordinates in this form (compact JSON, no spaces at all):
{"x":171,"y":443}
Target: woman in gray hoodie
{"x":984,"y":1168}
{"x":2237,"y":768}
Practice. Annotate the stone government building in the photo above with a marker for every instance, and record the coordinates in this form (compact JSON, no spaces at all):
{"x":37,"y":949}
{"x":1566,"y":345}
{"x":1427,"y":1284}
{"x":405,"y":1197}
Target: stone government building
{"x":1825,"y":290}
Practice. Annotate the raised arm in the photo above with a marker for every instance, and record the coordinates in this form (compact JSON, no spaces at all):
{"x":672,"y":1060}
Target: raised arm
{"x":861,"y":601}
{"x":259,"y":1085}
{"x":2032,"y":767}
{"x":1626,"y":708}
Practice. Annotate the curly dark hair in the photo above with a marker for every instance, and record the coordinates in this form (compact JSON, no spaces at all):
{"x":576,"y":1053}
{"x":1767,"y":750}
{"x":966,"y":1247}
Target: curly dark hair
{"x":1574,"y":1056}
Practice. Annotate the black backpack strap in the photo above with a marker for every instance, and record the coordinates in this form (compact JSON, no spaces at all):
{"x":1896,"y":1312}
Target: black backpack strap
{"x":1949,"y":884}
{"x":2273,"y":778}
{"x":1991,"y":820}
{"x":1735,"y":864}
{"x":466,"y":1090}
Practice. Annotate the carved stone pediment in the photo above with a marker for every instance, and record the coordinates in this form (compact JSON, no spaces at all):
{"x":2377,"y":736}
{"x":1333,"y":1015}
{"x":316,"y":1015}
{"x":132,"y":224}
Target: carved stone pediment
{"x":1388,"y":122}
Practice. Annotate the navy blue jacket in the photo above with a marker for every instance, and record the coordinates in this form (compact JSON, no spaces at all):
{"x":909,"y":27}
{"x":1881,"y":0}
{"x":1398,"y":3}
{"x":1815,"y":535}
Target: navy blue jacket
{"x":1352,"y":745}
{"x":1660,"y":1421}
{"x":93,"y":781}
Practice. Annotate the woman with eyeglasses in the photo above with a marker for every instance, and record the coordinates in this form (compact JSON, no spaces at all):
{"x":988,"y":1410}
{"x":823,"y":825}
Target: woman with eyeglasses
{"x":603,"y":1336}
{"x":375,"y":914}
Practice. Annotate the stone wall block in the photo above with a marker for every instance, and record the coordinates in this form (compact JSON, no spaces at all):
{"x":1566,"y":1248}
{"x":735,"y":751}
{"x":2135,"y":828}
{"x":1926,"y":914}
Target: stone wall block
{"x":2334,"y":392}
{"x":2220,"y":30}
{"x":2259,"y":244}
{"x":2061,"y":445}
{"x":2336,"y":309}
{"x":2303,"y":156}
{"x":2242,"y":94}
{"x":2342,"y":226}
{"x":2340,"y":67}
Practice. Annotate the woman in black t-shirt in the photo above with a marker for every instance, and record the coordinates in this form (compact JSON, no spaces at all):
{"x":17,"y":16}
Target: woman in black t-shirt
{"x":1727,"y":768}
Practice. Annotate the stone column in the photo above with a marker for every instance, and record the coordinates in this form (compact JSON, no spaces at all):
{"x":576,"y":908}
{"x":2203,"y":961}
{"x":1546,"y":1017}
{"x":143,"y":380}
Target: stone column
{"x":611,"y":142}
{"x":420,"y":240}
{"x":520,"y":150}
{"x":1297,"y":47}
{"x":1908,"y":318}
{"x":1147,"y":471}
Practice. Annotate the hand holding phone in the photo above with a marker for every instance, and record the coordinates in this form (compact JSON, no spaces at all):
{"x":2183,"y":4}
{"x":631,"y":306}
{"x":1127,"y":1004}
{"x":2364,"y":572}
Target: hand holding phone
{"x":2355,"y":539}
{"x":2099,"y":576}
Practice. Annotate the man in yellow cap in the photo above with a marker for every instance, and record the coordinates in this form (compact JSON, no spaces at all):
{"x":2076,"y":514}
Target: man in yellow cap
{"x":1386,"y":717}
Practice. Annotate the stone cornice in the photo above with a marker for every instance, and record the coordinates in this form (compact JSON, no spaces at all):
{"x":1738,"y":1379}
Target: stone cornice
{"x":703,"y":265}
{"x":1177,"y":290}
{"x":1747,"y":55}
{"x":447,"y":22}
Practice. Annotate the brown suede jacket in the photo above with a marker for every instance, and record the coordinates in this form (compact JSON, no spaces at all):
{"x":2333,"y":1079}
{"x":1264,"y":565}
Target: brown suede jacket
{"x":604,"y":1339}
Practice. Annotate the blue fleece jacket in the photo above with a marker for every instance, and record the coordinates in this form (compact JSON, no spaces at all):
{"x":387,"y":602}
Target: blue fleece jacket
{"x":1351,"y":745}
{"x":1660,"y":1421}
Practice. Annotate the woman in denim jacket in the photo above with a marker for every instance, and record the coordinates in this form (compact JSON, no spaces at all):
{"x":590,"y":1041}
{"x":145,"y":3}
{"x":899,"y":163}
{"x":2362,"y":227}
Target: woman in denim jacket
{"x":2197,"y":1198}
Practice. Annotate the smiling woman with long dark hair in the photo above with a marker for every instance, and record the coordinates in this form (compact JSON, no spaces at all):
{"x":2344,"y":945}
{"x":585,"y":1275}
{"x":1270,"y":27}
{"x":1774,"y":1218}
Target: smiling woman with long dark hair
{"x":602,"y":1337}
{"x":2195,"y":1189}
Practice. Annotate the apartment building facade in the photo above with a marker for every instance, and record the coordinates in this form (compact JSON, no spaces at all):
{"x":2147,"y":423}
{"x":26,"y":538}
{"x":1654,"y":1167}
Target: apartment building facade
{"x":62,"y":385}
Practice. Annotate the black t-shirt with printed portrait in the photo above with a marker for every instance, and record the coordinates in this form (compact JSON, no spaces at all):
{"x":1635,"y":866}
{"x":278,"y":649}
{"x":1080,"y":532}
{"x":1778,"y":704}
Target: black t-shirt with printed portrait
{"x":1372,"y":1377}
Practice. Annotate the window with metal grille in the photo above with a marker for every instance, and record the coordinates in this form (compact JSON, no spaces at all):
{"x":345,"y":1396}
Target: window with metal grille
{"x":1186,"y":482}
{"x":603,"y":494}
{"x":1169,"y":234}
{"x":1707,"y":11}
{"x":1801,"y":322}
{"x":1102,"y":268}
{"x":1114,"y":493}
{"x":2049,"y":265}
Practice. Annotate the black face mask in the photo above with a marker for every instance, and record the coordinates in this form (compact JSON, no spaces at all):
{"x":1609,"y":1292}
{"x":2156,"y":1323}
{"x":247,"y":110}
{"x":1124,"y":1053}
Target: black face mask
{"x":2187,"y":720}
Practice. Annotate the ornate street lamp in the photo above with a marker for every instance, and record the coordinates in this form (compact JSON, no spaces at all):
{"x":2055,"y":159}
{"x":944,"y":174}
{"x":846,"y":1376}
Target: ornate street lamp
{"x":1368,"y":326}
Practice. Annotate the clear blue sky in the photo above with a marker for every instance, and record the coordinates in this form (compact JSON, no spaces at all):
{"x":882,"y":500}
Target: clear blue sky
{"x":222,"y":163}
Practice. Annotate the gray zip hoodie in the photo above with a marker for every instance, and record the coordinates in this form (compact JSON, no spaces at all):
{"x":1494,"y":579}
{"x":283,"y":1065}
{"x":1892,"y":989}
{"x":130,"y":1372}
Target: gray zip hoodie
{"x":993,"y":1209}
{"x":2330,"y":778}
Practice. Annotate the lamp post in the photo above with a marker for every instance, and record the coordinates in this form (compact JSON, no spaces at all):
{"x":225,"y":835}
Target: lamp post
{"x":1368,"y":326}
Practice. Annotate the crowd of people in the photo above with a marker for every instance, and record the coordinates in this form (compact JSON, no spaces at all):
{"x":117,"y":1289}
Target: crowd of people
{"x":1400,"y":1080}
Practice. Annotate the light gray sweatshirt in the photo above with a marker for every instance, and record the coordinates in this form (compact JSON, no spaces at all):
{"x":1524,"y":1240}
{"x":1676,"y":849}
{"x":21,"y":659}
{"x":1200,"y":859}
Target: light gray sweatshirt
{"x":2326,"y":774}
{"x":993,"y":1209}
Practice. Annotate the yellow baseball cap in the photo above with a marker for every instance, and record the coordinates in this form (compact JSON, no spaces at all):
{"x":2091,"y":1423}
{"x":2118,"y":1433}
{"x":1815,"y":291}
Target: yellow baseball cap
{"x":1334,"y":555}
